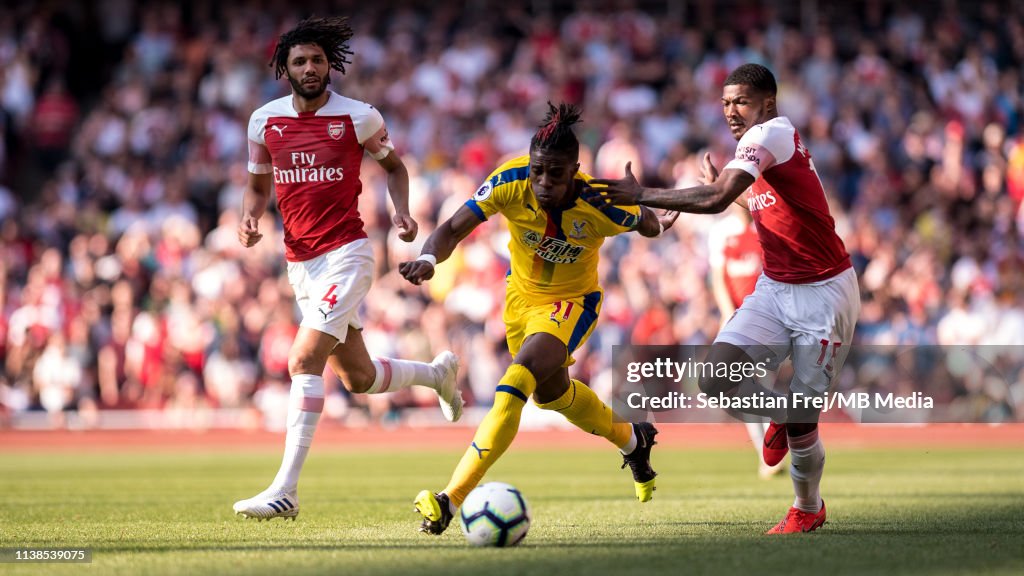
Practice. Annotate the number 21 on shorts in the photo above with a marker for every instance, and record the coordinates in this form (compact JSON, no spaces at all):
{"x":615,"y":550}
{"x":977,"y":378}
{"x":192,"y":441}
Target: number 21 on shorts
{"x":561,"y":312}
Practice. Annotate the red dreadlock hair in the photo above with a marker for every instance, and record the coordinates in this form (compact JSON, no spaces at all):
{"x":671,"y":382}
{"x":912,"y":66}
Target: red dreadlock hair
{"x":556,"y":133}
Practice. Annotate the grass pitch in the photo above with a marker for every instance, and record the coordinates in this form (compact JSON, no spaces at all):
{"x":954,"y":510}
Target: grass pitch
{"x":908,"y":511}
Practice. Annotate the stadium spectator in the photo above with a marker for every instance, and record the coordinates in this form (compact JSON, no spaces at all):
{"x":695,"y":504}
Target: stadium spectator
{"x":137,"y":132}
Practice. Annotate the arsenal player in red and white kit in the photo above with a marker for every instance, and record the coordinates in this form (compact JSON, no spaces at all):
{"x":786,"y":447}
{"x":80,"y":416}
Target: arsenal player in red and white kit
{"x":308,"y":147}
{"x":805,"y":303}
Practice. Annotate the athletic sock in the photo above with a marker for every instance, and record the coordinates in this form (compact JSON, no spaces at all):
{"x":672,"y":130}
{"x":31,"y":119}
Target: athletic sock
{"x":630,"y":444}
{"x":305,"y":403}
{"x":807,"y":455}
{"x":581,"y":406}
{"x":394,"y":374}
{"x":495,"y":433}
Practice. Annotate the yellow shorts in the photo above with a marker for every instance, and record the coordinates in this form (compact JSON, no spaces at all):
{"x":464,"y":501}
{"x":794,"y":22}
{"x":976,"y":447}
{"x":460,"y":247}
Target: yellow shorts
{"x":571,"y":320}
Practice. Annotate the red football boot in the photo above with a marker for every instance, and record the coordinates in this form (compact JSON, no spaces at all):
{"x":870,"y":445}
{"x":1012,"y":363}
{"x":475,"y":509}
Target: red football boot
{"x":798,"y":521}
{"x":776,"y":444}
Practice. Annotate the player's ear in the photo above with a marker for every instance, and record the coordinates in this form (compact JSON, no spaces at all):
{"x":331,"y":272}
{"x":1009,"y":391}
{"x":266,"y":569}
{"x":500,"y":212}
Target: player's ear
{"x":769,"y":103}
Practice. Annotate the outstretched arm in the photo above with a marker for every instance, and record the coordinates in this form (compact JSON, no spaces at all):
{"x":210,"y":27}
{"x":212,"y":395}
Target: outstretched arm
{"x":398,"y":188}
{"x":440,"y":245}
{"x":709,"y":198}
{"x":708,"y":174}
{"x":652,"y":224}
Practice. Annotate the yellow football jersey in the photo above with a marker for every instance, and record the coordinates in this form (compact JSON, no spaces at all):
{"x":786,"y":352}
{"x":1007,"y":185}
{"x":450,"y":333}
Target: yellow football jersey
{"x":554,"y":253}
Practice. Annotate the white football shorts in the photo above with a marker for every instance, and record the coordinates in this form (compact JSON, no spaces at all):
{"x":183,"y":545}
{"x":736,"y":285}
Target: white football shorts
{"x":330,"y":288}
{"x":812,"y":322}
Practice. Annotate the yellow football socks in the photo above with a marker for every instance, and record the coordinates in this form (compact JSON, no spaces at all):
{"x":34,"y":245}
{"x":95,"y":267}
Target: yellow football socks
{"x":495,"y":433}
{"x":587,"y":412}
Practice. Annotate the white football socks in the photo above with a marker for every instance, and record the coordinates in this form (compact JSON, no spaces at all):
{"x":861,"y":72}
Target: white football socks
{"x":807,"y":455}
{"x":393,"y":375}
{"x":306,"y":402}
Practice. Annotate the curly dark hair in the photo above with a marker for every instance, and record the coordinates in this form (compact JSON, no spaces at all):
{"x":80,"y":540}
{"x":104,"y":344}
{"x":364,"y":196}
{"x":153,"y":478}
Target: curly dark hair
{"x":556,"y":132}
{"x":754,"y":75}
{"x":332,"y":34}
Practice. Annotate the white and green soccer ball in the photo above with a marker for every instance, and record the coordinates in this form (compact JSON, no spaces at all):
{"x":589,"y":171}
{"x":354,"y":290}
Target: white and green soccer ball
{"x":495,"y":514}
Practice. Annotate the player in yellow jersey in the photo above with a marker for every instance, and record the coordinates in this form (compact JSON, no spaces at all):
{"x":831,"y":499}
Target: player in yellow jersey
{"x":551,"y":304}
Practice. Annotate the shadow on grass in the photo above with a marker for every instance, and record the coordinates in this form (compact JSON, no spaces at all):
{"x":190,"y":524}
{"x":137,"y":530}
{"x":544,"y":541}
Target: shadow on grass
{"x":957,"y":537}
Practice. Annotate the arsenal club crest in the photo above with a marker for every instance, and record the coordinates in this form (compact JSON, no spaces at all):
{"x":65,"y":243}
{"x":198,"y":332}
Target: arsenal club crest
{"x":336,"y":130}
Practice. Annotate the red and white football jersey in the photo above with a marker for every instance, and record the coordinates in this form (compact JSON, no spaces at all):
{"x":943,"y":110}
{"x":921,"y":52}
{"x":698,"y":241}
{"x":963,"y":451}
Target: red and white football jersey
{"x":315,"y":159}
{"x":797,"y":233}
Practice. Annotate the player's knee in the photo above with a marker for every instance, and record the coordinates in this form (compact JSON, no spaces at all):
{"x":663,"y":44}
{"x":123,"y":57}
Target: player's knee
{"x":358,"y":382}
{"x":542,"y":368}
{"x":302,"y":364}
{"x":550,"y":390}
{"x":804,"y":416}
{"x":712,"y":386}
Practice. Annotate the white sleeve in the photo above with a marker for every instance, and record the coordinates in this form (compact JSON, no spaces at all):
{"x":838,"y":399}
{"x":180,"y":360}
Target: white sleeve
{"x":257,"y":124}
{"x":259,"y":156}
{"x":764,"y":146}
{"x":373,"y":134}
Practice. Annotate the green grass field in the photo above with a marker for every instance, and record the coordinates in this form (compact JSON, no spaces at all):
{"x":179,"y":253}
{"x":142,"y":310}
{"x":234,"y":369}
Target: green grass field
{"x":901,"y":511}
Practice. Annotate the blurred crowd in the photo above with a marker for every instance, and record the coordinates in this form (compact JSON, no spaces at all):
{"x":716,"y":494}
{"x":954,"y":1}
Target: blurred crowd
{"x":123,"y":149}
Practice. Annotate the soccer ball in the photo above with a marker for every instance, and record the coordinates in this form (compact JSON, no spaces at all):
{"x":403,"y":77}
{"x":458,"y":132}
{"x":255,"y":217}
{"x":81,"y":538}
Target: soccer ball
{"x":495,"y":514}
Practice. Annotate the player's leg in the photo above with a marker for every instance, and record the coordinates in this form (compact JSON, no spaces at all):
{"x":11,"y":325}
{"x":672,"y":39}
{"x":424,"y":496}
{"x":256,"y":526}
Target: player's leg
{"x":756,"y":332}
{"x":566,"y":325}
{"x":342,"y":283}
{"x":774,"y":447}
{"x":824,"y":317}
{"x":727,"y":351}
{"x":807,"y":465}
{"x":811,"y":378}
{"x":533,"y":357}
{"x":582,"y":407}
{"x":495,"y":433}
{"x":306,"y":362}
{"x":539,"y":358}
{"x":363,"y":374}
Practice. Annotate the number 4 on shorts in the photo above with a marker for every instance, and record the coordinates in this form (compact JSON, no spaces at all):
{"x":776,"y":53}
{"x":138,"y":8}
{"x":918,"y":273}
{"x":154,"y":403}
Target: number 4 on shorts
{"x":330,"y":297}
